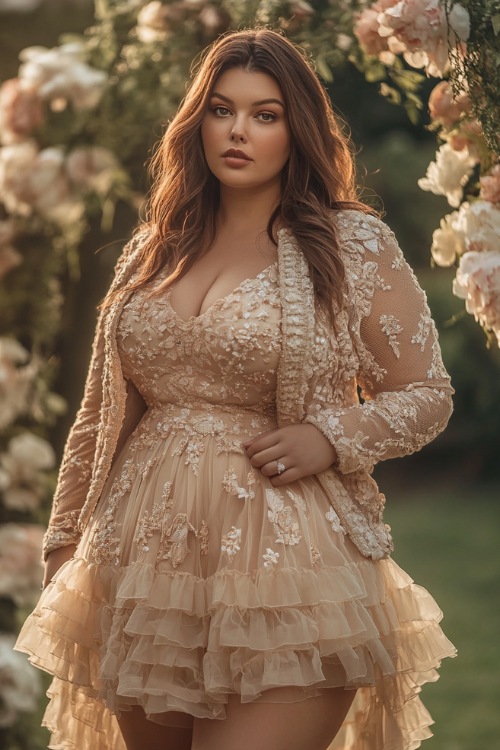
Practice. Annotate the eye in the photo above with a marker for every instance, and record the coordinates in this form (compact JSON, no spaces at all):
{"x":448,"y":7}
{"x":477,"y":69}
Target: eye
{"x":267,"y":116}
{"x":220,"y":111}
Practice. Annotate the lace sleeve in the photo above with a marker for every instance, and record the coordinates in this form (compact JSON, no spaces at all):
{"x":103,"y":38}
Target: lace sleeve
{"x":78,"y":456}
{"x":405,"y":389}
{"x":76,"y":467}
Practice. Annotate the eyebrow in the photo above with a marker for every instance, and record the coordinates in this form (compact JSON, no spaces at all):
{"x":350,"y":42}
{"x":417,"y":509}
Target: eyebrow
{"x":254,"y":104}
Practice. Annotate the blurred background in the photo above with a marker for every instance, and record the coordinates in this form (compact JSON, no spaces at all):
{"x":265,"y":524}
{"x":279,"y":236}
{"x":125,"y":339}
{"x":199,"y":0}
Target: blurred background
{"x":443,"y":503}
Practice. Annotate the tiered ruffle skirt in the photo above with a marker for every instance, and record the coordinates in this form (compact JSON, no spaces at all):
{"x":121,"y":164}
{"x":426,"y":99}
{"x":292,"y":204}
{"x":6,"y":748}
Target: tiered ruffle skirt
{"x":191,"y":585}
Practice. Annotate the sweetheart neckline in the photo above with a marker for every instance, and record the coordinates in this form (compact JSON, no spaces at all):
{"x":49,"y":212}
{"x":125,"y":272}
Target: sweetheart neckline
{"x":194,"y":318}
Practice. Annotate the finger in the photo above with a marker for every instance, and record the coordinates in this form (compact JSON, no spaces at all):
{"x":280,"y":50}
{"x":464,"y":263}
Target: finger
{"x":262,"y":442}
{"x":290,"y":475}
{"x":271,"y":468}
{"x":272,"y":454}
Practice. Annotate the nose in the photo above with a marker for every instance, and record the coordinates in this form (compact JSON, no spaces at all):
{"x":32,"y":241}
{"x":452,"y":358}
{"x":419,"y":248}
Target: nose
{"x":237,"y":134}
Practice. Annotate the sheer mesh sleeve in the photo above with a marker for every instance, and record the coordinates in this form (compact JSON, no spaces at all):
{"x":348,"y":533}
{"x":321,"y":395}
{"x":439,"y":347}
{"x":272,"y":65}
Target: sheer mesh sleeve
{"x":75,"y":472}
{"x":406,"y":392}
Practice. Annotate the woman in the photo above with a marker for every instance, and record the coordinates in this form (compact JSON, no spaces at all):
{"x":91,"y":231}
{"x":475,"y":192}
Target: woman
{"x":218,"y":570}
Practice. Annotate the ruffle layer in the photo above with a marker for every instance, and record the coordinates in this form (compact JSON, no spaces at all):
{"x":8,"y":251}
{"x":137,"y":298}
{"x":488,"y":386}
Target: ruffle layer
{"x":172,"y":642}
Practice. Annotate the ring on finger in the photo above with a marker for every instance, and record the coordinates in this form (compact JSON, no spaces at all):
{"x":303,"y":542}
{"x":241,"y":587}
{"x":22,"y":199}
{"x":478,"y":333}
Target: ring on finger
{"x":280,"y":467}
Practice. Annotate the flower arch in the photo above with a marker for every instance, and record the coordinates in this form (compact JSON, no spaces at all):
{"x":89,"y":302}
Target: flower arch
{"x":75,"y":129}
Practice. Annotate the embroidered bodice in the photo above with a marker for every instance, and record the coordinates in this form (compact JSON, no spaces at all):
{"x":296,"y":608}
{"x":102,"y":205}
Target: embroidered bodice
{"x":227,"y":356}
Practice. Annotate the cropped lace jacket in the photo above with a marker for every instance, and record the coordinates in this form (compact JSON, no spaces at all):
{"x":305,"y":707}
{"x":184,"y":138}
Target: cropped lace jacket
{"x":376,"y":387}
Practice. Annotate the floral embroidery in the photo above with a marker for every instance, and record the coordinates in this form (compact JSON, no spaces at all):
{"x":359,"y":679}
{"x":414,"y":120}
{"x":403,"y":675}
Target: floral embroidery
{"x":231,"y":542}
{"x":154,"y":522}
{"x":424,"y":329}
{"x":297,"y":500}
{"x":105,"y":544}
{"x":391,"y":328}
{"x":230,"y":484}
{"x":270,"y":557}
{"x":281,"y":517}
{"x":315,"y":555}
{"x":203,"y":537}
{"x":175,"y":543}
{"x":334,"y":521}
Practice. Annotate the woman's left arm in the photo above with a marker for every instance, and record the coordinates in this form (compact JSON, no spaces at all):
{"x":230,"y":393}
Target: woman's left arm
{"x":406,"y":391}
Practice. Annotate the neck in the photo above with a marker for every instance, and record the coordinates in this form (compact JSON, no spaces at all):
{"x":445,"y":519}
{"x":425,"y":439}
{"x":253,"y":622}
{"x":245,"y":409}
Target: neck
{"x":246,"y":210}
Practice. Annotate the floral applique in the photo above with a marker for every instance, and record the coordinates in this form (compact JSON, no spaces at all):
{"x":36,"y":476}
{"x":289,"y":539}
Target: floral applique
{"x":230,"y":484}
{"x":153,"y":522}
{"x":315,"y":555}
{"x":334,"y":521}
{"x":174,"y":545}
{"x":297,"y":500}
{"x":281,"y":517}
{"x":424,"y":329}
{"x":105,"y":544}
{"x":203,"y":538}
{"x":231,"y":542}
{"x":270,"y":557}
{"x":391,"y":328}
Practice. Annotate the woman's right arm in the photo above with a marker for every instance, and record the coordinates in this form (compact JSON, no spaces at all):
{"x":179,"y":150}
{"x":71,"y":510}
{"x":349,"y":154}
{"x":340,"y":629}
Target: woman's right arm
{"x":78,"y":457}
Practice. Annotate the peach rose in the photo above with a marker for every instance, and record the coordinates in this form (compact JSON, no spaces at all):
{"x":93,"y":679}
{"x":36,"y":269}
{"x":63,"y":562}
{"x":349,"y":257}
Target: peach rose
{"x":490,"y":185}
{"x":21,"y":110}
{"x":444,"y":107}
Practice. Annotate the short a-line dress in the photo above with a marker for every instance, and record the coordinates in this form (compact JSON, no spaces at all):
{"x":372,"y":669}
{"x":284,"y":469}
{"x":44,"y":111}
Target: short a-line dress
{"x":197,"y":579}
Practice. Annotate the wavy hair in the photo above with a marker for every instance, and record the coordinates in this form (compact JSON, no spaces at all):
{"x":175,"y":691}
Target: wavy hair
{"x":318,"y":177}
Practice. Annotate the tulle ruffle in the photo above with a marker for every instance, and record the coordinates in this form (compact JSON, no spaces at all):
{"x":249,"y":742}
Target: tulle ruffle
{"x":173,"y":642}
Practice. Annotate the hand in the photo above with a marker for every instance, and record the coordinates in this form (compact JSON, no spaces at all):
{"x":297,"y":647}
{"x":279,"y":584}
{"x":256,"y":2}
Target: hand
{"x":55,"y":559}
{"x":301,"y":448}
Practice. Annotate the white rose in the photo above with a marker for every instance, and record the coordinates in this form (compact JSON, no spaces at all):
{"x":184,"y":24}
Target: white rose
{"x":478,"y":283}
{"x":459,"y":22}
{"x":449,"y":173}
{"x":20,"y":562}
{"x":20,"y":683}
{"x":92,"y":168}
{"x":62,"y":73}
{"x":447,"y":241}
{"x":479,"y":222}
{"x":16,"y":166}
{"x":32,"y":452}
{"x":20,"y":470}
{"x":15,"y":381}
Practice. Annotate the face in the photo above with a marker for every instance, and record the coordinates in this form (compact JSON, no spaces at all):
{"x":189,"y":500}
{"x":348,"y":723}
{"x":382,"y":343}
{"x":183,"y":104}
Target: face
{"x":245,"y":132}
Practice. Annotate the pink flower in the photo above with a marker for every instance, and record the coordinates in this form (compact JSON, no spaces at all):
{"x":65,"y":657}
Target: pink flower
{"x":366,"y":29}
{"x":421,"y":27}
{"x":91,"y":167}
{"x":444,"y":107}
{"x":478,"y":283}
{"x":21,"y":110}
{"x":490,"y":185}
{"x":466,"y":136}
{"x":20,"y":562}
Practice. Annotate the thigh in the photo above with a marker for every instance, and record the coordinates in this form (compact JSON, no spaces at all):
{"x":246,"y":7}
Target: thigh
{"x":141,"y":734}
{"x":304,"y":725}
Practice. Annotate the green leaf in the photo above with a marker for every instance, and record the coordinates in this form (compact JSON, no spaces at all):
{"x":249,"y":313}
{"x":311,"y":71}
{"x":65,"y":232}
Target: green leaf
{"x":495,"y":22}
{"x":375,"y":72}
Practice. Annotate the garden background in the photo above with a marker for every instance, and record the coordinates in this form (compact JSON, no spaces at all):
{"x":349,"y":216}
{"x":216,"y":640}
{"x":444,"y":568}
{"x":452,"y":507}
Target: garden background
{"x":443,"y":503}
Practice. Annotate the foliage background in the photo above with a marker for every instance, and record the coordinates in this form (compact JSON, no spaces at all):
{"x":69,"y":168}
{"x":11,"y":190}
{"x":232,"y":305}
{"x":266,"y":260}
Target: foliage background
{"x":443,"y":502}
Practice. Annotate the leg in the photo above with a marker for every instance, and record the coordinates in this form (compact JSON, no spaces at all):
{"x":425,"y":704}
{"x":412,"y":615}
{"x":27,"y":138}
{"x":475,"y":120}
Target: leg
{"x":141,"y":734}
{"x":305,"y":725}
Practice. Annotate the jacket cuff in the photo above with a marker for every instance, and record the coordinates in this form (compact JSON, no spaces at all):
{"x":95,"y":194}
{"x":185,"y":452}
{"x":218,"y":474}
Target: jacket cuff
{"x":62,"y":530}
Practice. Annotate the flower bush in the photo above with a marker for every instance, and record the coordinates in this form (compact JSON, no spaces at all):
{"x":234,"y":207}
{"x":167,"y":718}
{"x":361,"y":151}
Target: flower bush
{"x":436,"y":35}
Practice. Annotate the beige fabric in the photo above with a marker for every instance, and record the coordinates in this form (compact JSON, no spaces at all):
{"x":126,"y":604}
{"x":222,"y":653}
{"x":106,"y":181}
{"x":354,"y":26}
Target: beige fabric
{"x":408,"y":390}
{"x":194,"y":578}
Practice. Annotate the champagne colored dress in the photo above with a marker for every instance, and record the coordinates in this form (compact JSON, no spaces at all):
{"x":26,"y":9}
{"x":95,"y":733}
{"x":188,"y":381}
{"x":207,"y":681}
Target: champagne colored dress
{"x":196,"y":579}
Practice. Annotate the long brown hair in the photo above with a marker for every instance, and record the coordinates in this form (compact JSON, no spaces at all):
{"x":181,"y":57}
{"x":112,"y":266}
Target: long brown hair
{"x":318,"y":177}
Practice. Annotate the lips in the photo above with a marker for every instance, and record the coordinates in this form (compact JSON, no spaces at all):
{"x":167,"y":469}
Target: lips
{"x":235,"y":153}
